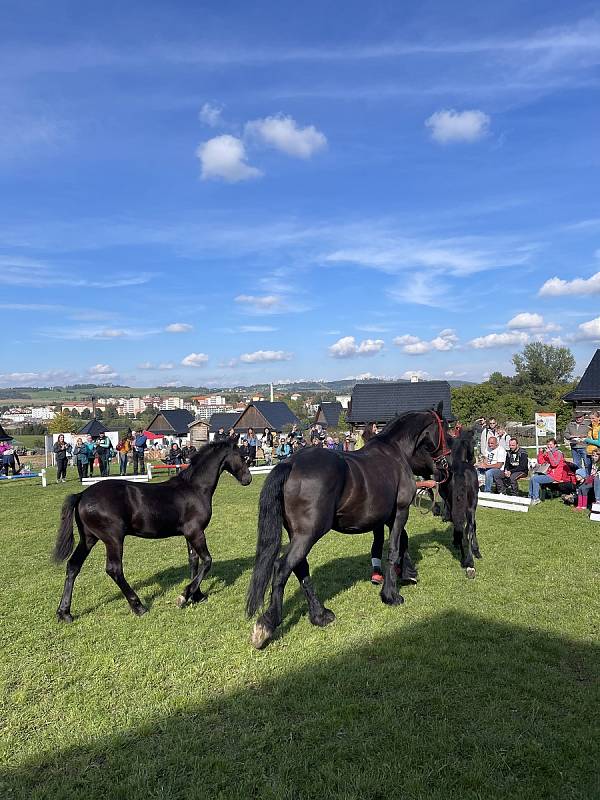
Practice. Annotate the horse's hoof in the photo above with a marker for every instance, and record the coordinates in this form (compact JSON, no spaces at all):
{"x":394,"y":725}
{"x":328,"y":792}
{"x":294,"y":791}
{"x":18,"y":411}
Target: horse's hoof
{"x":392,"y":600}
{"x":61,"y":616}
{"x":140,"y":610}
{"x":470,"y":572}
{"x":261,"y":635}
{"x":181,"y":601}
{"x":198,"y":597}
{"x":324,"y":619}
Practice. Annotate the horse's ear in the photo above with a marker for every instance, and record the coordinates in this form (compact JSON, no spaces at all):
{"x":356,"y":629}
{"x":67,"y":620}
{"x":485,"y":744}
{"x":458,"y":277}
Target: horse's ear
{"x":440,"y":408}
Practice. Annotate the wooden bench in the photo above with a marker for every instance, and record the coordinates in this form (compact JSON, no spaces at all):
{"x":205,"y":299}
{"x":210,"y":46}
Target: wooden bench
{"x":505,"y":502}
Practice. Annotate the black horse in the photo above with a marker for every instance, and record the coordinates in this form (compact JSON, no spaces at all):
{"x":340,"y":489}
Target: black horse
{"x":182,"y":506}
{"x":463,"y":488}
{"x":318,"y":490}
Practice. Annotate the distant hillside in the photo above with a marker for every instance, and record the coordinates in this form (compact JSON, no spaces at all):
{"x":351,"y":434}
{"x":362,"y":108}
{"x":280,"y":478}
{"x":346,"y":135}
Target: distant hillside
{"x":57,"y":394}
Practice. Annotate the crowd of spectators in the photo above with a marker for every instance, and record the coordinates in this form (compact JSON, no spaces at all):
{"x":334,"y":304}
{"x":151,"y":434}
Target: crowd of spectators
{"x":503,"y":462}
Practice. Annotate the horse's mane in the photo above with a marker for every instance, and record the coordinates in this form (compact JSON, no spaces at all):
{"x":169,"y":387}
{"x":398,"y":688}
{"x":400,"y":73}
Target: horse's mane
{"x":207,"y":452}
{"x":463,"y":451}
{"x":401,"y":424}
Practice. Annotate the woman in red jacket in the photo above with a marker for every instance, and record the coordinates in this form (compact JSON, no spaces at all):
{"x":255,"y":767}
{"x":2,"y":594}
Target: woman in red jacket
{"x":557,"y":470}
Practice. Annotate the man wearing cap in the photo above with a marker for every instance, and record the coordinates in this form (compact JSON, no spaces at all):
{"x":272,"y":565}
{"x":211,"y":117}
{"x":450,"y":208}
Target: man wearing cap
{"x":575,"y":435}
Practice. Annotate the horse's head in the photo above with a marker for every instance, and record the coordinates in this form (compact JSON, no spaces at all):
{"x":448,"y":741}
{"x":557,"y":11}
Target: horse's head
{"x":236,"y":466}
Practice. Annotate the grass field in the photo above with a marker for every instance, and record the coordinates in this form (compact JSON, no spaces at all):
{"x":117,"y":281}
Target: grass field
{"x":472,"y":689}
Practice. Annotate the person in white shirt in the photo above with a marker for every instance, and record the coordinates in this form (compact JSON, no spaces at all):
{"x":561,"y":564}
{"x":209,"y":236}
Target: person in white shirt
{"x":493,"y":458}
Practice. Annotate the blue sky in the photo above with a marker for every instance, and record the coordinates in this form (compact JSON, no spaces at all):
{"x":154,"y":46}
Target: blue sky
{"x":217,"y":194}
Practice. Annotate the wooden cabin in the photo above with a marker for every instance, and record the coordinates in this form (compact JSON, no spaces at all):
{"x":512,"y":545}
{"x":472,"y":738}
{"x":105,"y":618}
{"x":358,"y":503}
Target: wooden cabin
{"x":381,"y":402}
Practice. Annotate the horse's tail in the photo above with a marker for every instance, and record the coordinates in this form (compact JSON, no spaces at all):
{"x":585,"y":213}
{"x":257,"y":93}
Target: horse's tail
{"x":64,"y":539}
{"x":270,"y":520}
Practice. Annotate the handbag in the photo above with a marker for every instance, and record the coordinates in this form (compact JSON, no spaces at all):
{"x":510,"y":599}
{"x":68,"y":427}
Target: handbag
{"x":541,"y":469}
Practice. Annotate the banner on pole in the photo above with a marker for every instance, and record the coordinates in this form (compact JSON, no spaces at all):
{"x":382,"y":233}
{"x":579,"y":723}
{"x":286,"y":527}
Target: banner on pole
{"x":545,"y":423}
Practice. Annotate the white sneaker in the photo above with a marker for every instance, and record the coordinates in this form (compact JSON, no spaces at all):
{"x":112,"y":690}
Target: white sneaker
{"x":535,"y":502}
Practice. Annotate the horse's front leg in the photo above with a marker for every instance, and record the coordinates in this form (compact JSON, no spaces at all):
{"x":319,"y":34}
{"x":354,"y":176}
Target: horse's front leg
{"x":197,"y":541}
{"x":389,"y":593}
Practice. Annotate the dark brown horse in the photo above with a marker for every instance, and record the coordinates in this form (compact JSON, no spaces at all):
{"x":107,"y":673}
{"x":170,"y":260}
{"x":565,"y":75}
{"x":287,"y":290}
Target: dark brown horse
{"x":318,"y":490}
{"x":182,"y":506}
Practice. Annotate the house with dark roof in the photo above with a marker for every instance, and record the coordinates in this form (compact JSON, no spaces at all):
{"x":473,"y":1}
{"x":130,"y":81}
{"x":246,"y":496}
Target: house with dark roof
{"x":171,"y":423}
{"x":328,"y":415}
{"x":381,"y":402}
{"x":263,"y":414}
{"x":224,"y":419}
{"x":586,"y":395}
{"x":93,"y":428}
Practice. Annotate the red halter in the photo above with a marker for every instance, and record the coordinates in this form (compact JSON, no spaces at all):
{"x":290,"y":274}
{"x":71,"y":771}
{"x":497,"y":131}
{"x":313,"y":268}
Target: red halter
{"x":442,"y":448}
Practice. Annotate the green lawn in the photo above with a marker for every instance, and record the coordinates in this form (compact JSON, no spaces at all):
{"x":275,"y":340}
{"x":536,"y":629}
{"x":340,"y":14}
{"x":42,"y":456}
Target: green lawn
{"x":472,"y":689}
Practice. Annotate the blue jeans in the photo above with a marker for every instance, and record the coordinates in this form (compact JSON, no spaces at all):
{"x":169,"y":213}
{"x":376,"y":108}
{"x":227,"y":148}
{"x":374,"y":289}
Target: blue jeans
{"x":490,"y":474}
{"x":581,"y":458}
{"x":535,"y":484}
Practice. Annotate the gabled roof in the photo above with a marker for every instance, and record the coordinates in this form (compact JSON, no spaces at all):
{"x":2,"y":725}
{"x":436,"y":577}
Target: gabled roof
{"x":4,"y":436}
{"x":94,"y":428}
{"x":588,"y":387}
{"x":381,"y":402}
{"x":223,"y":419}
{"x":171,"y":423}
{"x":277,"y":415}
{"x":331,"y":413}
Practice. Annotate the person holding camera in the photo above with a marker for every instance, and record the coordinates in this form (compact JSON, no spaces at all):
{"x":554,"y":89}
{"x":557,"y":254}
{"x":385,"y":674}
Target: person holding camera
{"x":551,"y":468}
{"x":62,"y":452}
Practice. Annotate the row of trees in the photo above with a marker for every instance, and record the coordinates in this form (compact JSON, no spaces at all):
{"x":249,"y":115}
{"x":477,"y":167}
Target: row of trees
{"x":543,"y":375}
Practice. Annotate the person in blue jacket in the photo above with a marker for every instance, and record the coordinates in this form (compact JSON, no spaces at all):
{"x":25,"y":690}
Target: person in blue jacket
{"x":140,"y":443}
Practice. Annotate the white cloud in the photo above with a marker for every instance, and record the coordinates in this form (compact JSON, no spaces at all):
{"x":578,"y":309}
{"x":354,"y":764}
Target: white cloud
{"x":150,"y":365}
{"x":210,"y":115}
{"x":346,"y":347}
{"x":445,"y":340}
{"x":557,"y":287}
{"x":35,"y":378}
{"x":450,"y":373}
{"x":265,"y":355}
{"x":268,"y":304}
{"x":532,"y":322}
{"x":260,"y":301}
{"x":416,"y":373}
{"x":179,"y":327}
{"x":589,"y":330}
{"x":19,"y":271}
{"x":195,"y":360}
{"x":283,"y":133}
{"x":458,"y":126}
{"x":103,"y":372}
{"x":225,"y":157}
{"x":101,"y":369}
{"x":500,"y":340}
{"x":256,"y":329}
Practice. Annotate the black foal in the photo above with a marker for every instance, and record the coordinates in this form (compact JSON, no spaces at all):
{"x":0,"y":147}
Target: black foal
{"x":182,"y":506}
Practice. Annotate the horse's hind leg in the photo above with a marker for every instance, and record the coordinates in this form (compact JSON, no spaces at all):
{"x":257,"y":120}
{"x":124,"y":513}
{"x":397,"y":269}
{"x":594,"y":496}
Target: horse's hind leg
{"x":114,"y":569}
{"x":192,"y":592}
{"x":194,"y":560}
{"x":74,"y":564}
{"x":317,"y":613}
{"x":297,"y":551}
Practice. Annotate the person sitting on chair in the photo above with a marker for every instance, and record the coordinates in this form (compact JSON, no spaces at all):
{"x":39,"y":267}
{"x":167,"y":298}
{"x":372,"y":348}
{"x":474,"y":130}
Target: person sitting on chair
{"x":556,"y":471}
{"x":515,"y":467}
{"x":493,"y":460}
